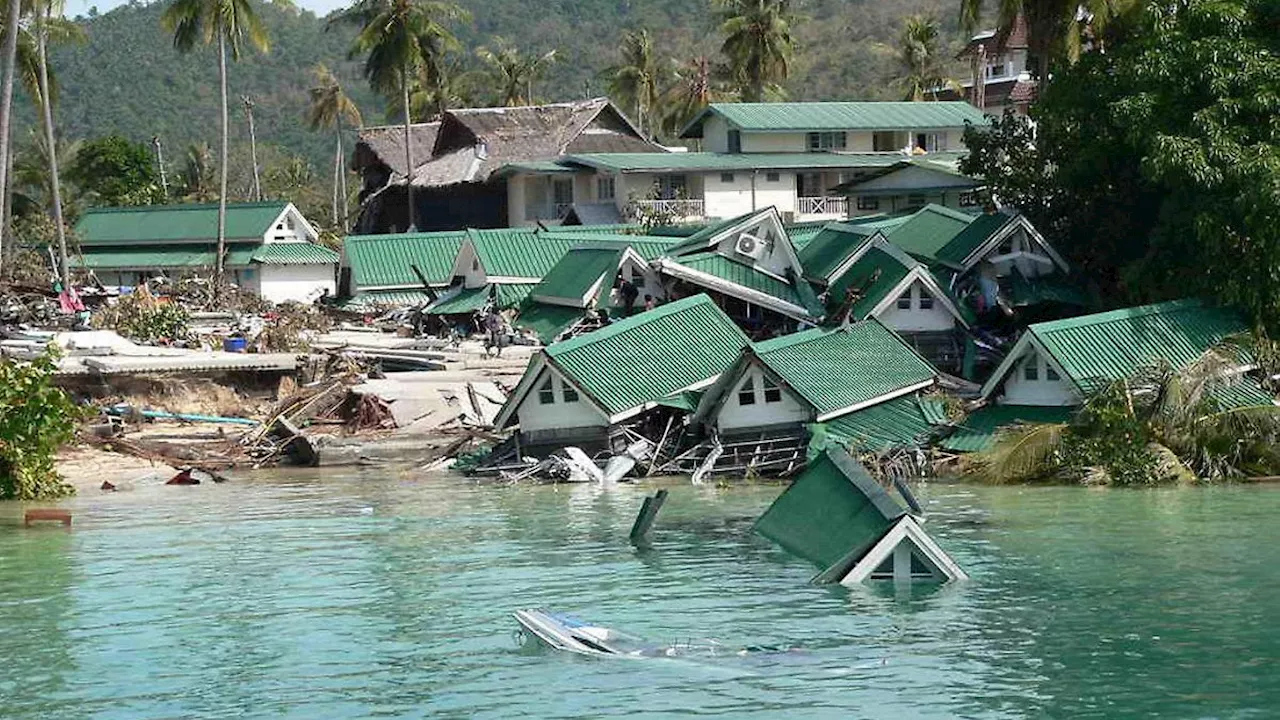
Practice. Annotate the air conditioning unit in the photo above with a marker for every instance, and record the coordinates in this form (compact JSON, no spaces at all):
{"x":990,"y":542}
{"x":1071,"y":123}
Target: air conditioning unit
{"x":751,"y":246}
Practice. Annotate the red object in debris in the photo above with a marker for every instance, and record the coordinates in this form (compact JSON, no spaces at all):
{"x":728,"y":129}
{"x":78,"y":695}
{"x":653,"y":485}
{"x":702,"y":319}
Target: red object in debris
{"x":183,"y":478}
{"x":106,"y":485}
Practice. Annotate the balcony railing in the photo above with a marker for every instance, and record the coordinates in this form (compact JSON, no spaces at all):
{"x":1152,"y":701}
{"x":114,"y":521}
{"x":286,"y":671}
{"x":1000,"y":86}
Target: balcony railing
{"x":828,"y":205}
{"x":675,"y":207}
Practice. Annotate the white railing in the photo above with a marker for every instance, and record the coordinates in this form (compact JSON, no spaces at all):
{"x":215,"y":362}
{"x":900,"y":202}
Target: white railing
{"x":675,"y":207}
{"x":828,"y":205}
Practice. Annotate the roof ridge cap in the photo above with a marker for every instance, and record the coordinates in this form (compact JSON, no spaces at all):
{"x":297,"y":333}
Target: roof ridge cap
{"x":1158,"y":308}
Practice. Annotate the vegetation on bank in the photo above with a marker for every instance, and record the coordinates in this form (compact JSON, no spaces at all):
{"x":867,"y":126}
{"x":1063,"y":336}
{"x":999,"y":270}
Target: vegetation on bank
{"x":36,"y":419}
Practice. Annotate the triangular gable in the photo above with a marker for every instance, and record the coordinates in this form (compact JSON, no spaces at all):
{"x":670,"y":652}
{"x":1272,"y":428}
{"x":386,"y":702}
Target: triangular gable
{"x":1017,"y":222}
{"x":713,"y":399}
{"x":538,"y":371}
{"x":905,"y":554}
{"x":291,"y":212}
{"x":1027,"y":342}
{"x":722,"y":275}
{"x":898,"y":272}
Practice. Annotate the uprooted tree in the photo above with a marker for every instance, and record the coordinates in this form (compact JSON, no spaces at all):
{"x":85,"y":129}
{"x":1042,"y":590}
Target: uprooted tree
{"x":36,"y":418}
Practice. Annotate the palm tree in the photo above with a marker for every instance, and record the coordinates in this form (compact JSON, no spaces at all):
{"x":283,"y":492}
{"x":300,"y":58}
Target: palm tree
{"x":920,"y":60}
{"x":197,"y":179}
{"x":329,"y":107}
{"x":437,"y":88}
{"x":1162,"y":424}
{"x":11,"y":29}
{"x":232,"y":24}
{"x":635,"y":81}
{"x":697,"y":83}
{"x":397,"y":35}
{"x":45,"y":12}
{"x":513,"y":73}
{"x":757,"y":44}
{"x":33,"y":165}
{"x":1055,"y":28}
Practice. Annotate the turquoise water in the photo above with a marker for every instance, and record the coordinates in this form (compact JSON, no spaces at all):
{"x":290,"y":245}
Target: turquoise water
{"x":363,"y":595}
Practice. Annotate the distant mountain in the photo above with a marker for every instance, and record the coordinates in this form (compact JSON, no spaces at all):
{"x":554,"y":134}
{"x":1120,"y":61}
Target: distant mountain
{"x":128,"y":78}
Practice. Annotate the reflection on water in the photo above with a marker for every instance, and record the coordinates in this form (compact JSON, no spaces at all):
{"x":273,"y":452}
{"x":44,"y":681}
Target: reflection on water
{"x":375,"y":595}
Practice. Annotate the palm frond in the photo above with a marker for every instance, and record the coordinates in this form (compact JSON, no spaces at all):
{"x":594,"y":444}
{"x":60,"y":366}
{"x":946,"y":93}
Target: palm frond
{"x":1023,"y":452}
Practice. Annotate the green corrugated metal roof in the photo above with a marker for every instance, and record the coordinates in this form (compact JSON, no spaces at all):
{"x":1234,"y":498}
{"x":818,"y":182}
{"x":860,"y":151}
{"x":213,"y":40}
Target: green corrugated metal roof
{"x":733,"y":162}
{"x":796,"y":116}
{"x":977,"y":232}
{"x":294,"y":253}
{"x":1113,"y":345}
{"x":977,"y":431}
{"x":929,"y":230}
{"x":647,"y":246}
{"x":702,"y":238}
{"x":746,"y":276}
{"x":847,"y":366}
{"x":375,"y":300}
{"x":576,"y":273}
{"x":800,"y":238}
{"x":467,"y":300}
{"x":874,"y":276}
{"x":161,"y":256}
{"x":513,"y":294}
{"x":830,"y":247}
{"x":1243,"y":394}
{"x":547,"y":322}
{"x":533,"y":166}
{"x":385,"y":260}
{"x":686,"y":401}
{"x":175,"y":223}
{"x":832,"y":511}
{"x":901,"y":422}
{"x":649,"y":356}
{"x":529,"y":254}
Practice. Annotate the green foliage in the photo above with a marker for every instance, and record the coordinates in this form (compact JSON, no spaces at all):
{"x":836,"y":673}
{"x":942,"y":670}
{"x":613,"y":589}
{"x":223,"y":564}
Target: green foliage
{"x":920,"y":59}
{"x":115,"y":171}
{"x":511,"y":73}
{"x":758,"y":45}
{"x":36,"y":418}
{"x":1157,"y":162}
{"x":140,"y":317}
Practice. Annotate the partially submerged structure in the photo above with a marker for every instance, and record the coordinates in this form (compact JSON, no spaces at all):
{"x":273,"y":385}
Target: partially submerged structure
{"x":582,"y":390}
{"x":838,"y":517}
{"x":271,"y":249}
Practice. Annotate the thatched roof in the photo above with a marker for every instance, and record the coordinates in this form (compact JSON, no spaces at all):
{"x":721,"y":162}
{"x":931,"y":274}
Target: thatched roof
{"x":470,"y":143}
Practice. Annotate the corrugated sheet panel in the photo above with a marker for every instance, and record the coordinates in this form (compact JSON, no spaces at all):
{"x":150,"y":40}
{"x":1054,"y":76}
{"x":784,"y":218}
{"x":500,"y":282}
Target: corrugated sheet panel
{"x":734,"y":162}
{"x":525,"y":254}
{"x":829,"y":247}
{"x":467,"y":300}
{"x":929,"y":230}
{"x":575,"y":274}
{"x":170,"y":223}
{"x":740,"y":274}
{"x":195,"y":255}
{"x":835,"y":369}
{"x":295,"y":253}
{"x":1112,"y":345}
{"x":380,"y":300}
{"x":649,"y":356}
{"x":547,"y":322}
{"x":977,"y":431}
{"x":386,"y":260}
{"x":785,"y":116}
{"x":898,"y":423}
{"x":873,"y":277}
{"x":978,"y":231}
{"x":512,"y":294}
{"x":832,"y":511}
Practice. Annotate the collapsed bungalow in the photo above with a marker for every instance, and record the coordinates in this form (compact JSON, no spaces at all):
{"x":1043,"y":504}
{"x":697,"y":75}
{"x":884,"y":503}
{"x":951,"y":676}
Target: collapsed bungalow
{"x":271,"y":249}
{"x":1055,"y":365}
{"x":581,"y":391}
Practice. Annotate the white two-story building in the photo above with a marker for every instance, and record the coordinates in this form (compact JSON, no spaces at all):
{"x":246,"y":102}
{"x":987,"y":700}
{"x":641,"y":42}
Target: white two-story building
{"x":790,"y":156}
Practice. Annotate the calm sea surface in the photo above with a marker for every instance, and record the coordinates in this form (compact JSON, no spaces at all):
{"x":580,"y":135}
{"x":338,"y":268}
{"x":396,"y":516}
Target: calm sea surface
{"x":371,"y":594}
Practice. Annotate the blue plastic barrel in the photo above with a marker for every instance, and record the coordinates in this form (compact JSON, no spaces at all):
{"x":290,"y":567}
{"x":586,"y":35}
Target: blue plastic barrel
{"x":233,"y":344}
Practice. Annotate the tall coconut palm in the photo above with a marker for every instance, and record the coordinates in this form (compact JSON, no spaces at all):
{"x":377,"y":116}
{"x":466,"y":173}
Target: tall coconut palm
{"x":330,"y":106}
{"x":437,"y":88}
{"x":635,"y":82}
{"x":33,"y":174}
{"x":920,"y":59}
{"x":697,"y":83}
{"x":396,"y":36}
{"x":234,"y":26}
{"x":13,"y":14}
{"x":511,"y":72}
{"x":757,"y":44}
{"x":24,"y":67}
{"x":45,"y":11}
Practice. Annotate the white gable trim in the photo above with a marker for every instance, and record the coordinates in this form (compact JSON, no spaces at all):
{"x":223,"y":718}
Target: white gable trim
{"x":672,"y":267}
{"x":993,"y":242}
{"x":1028,"y":341}
{"x":905,"y":530}
{"x":540,"y":367}
{"x":875,"y":401}
{"x":925,"y":278}
{"x":855,"y":256}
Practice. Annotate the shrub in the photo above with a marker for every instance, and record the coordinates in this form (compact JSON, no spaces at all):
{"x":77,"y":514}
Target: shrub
{"x":36,"y":418}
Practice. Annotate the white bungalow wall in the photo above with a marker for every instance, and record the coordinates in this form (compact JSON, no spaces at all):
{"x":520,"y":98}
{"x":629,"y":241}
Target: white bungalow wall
{"x":297,"y":283}
{"x":917,"y":317}
{"x":731,"y":194}
{"x":560,"y":414}
{"x":1021,"y":251}
{"x":733,"y":415}
{"x":1036,"y":380}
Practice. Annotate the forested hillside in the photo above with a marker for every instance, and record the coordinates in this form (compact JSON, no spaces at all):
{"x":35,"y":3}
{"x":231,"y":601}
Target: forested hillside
{"x":127,"y":78}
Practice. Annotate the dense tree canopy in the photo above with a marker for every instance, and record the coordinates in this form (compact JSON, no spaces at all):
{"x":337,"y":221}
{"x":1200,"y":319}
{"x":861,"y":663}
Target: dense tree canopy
{"x":1156,"y":165}
{"x":115,"y":171}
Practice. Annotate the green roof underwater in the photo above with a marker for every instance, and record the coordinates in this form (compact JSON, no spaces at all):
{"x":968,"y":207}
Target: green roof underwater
{"x":649,"y":356}
{"x":906,"y":421}
{"x":800,"y":116}
{"x":175,"y":223}
{"x":847,"y":367}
